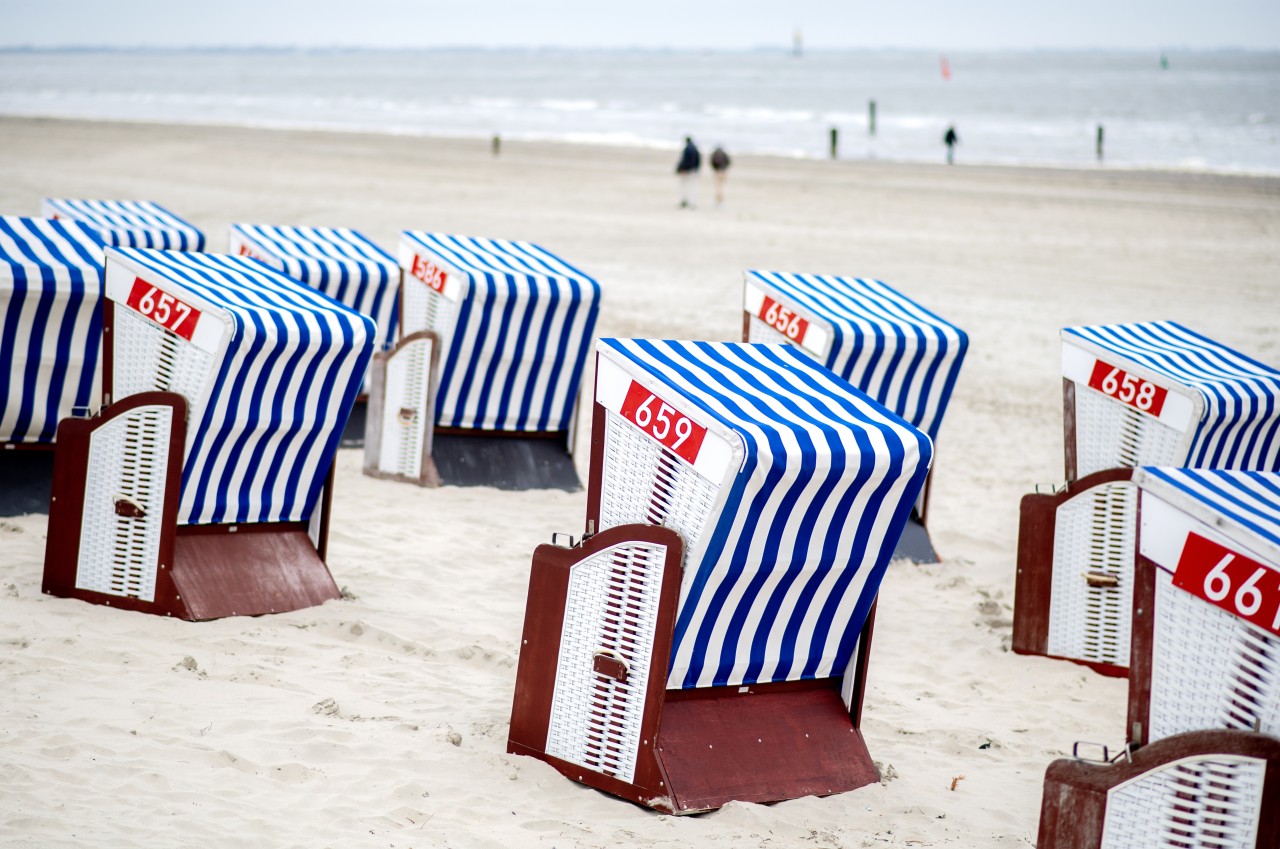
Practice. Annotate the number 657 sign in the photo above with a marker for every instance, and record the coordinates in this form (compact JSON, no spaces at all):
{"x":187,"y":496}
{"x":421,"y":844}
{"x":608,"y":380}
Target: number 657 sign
{"x":164,"y":309}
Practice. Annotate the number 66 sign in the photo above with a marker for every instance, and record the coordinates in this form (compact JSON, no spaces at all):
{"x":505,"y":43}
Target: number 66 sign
{"x":1230,"y":581}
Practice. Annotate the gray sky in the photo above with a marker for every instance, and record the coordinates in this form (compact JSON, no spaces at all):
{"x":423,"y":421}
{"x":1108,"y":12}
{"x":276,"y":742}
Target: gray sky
{"x":940,"y":24}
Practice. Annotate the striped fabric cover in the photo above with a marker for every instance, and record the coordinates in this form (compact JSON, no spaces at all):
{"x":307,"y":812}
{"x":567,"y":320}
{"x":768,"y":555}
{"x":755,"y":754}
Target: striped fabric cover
{"x":817,"y":494}
{"x":342,"y":263}
{"x":514,"y":357}
{"x":131,"y":223}
{"x":263,"y":435}
{"x":1240,"y":426}
{"x":878,"y":339}
{"x":1241,"y":504}
{"x":50,"y":325}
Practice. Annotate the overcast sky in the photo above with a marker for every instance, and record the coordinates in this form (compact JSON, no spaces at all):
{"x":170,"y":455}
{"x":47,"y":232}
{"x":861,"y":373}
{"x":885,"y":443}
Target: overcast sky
{"x":935,"y":24}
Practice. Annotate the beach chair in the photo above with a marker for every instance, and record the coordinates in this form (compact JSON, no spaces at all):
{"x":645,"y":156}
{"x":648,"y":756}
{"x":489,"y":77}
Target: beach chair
{"x":1206,"y":632}
{"x":129,"y":223}
{"x":50,"y":343}
{"x":1199,"y":789}
{"x":513,"y":324}
{"x":202,"y":489}
{"x":1154,"y":393}
{"x":347,"y":267}
{"x":708,"y":638}
{"x":873,"y":336}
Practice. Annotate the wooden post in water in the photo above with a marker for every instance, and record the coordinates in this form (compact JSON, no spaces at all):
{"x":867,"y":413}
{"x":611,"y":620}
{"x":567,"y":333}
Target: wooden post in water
{"x":871,"y":118}
{"x":497,"y":144}
{"x":1099,"y":142}
{"x":835,"y":142}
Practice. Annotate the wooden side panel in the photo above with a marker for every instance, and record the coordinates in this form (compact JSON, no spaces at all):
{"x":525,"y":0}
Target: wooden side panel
{"x":765,"y":745}
{"x":540,"y":653}
{"x":1069,"y":428}
{"x":257,"y":569}
{"x":1141,"y":650}
{"x":1033,"y":585}
{"x":1034,"y":582}
{"x":66,"y":506}
{"x":1073,"y":808}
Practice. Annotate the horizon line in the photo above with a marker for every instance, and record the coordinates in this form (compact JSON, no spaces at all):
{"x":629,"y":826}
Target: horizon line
{"x":760,"y":48}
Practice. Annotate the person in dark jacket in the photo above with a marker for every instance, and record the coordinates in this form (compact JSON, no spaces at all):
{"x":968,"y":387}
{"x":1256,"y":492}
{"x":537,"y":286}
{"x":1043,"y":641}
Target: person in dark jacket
{"x":687,"y":171}
{"x":719,"y":170}
{"x":950,"y":139}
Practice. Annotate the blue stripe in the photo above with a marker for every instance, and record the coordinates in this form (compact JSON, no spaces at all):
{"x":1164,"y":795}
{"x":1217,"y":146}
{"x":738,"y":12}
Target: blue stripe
{"x":500,"y":344}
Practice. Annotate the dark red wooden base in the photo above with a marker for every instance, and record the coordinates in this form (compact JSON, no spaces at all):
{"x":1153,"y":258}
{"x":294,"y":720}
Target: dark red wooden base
{"x":1033,"y":586}
{"x":701,"y":748}
{"x":203,"y":571}
{"x":1074,"y":805}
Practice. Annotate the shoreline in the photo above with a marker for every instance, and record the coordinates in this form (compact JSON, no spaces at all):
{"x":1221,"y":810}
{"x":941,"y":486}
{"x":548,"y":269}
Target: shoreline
{"x":669,"y":148}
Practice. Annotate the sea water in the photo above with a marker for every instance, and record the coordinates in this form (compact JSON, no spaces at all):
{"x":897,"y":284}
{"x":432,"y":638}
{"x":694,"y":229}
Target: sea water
{"x":1214,"y":111}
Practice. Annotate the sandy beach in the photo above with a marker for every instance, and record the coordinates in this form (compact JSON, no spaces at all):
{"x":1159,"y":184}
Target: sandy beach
{"x":381,"y":720}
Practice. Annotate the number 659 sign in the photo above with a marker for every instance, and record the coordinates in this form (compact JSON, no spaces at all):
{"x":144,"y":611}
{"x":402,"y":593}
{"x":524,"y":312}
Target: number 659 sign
{"x":663,"y":422}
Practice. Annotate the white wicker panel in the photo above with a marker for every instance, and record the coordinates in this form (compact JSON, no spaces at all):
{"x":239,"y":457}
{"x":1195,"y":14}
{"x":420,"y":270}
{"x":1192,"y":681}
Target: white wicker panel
{"x":1094,"y":532}
{"x":128,"y":459}
{"x":404,"y":414}
{"x":612,"y":607}
{"x":1208,"y":801}
{"x":1111,"y":434}
{"x":760,"y":331}
{"x":427,"y":309}
{"x":1210,"y":669}
{"x":644,"y":482}
{"x":147,"y":358}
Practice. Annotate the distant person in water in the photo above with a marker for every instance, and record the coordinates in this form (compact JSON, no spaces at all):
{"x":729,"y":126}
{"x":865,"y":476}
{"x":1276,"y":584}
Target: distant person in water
{"x":687,"y":172}
{"x":950,"y":139}
{"x":719,"y":170}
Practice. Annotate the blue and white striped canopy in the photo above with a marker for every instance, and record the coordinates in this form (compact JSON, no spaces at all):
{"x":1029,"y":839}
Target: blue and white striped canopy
{"x":525,"y":318}
{"x":288,"y":362}
{"x":872,"y":335}
{"x":819,"y":484}
{"x":342,"y":263}
{"x":1239,"y":427}
{"x":1244,"y":505}
{"x":50,"y":324}
{"x":131,"y":223}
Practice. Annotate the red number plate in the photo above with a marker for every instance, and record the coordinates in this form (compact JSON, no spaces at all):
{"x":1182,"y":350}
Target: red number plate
{"x":784,"y":320}
{"x":1134,"y":391}
{"x":1228,"y":580}
{"x":428,"y":273}
{"x":663,"y":422}
{"x":164,"y":309}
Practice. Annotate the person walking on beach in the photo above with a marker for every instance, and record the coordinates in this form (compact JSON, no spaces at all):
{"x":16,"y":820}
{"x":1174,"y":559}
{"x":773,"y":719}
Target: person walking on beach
{"x":720,"y":171}
{"x":950,"y":139}
{"x":687,"y":172}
